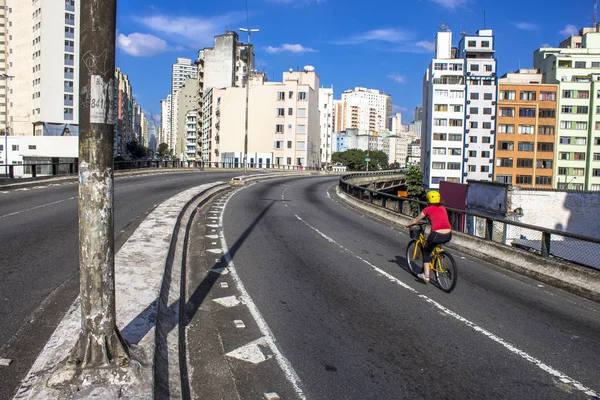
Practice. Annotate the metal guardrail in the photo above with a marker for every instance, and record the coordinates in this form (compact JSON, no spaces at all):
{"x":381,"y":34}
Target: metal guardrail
{"x":35,"y":170}
{"x":579,"y":249}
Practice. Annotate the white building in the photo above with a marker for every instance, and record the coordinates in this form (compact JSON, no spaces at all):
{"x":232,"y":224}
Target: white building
{"x":42,"y":53}
{"x":185,"y":142}
{"x":459,"y":98}
{"x":396,"y":123}
{"x":575,"y":67}
{"x":326,"y":112}
{"x":165,"y":120}
{"x":363,"y":109}
{"x":182,"y":69}
{"x":283,"y":125}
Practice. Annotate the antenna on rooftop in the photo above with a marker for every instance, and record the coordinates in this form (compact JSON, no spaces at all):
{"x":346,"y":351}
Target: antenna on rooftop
{"x":444,"y":27}
{"x":595,"y":20}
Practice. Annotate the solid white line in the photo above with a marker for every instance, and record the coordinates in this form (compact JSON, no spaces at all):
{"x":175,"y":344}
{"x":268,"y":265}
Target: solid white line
{"x":564,"y":378}
{"x":37,"y":207}
{"x":284,"y":364}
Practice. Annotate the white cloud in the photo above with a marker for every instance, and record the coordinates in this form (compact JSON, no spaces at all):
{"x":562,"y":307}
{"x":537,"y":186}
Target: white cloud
{"x":451,"y":4}
{"x":398,"y":109}
{"x":424,"y":44}
{"x":191,"y":31}
{"x":390,"y":35}
{"x":569,"y":30}
{"x":289,"y":48}
{"x":397,"y":78}
{"x":141,"y":44}
{"x":526,"y":26}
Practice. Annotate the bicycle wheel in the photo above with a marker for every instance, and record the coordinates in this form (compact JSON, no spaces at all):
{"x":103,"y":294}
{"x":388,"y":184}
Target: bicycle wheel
{"x":414,"y":257}
{"x":446,"y":272}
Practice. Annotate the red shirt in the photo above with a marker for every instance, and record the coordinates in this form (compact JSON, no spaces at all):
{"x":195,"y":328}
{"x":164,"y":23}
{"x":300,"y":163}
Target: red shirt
{"x":438,"y":217}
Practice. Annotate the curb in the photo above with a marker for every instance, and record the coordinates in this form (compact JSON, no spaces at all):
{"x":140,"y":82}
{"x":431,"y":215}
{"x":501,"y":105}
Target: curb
{"x":581,"y":281}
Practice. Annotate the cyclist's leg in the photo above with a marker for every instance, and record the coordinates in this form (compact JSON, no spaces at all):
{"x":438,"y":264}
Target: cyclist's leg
{"x":427,"y":250}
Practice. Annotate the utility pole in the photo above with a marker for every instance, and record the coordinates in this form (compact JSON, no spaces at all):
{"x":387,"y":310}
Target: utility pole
{"x":248,"y":50}
{"x":100,"y":344}
{"x":7,"y":78}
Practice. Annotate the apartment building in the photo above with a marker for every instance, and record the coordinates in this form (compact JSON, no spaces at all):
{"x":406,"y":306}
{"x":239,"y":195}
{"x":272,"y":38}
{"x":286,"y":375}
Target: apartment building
{"x":124,"y":111}
{"x":326,"y":123}
{"x":526,"y":130}
{"x":165,"y":120}
{"x":575,"y":67}
{"x":42,"y":50}
{"x":283,"y":125}
{"x":443,"y":124}
{"x":185,"y":146}
{"x":368,"y":110}
{"x":180,"y":71}
{"x":459,"y":109}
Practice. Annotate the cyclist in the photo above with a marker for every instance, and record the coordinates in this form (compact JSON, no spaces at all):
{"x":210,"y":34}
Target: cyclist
{"x":441,"y":230}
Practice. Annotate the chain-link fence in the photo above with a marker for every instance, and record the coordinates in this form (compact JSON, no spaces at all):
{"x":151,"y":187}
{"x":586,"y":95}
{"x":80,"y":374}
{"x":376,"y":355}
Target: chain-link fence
{"x":541,"y":241}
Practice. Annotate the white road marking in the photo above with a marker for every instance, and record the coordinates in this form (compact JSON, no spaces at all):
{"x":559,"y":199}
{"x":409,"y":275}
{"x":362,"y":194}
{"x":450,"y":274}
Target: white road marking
{"x":212,"y":236}
{"x":5,"y":362}
{"x":555,"y":373}
{"x":269,"y":339}
{"x":239,"y":324}
{"x":250,"y":352}
{"x":229,"y":301}
{"x":215,"y":251}
{"x":37,"y":207}
{"x":224,"y":285}
{"x":212,"y":226}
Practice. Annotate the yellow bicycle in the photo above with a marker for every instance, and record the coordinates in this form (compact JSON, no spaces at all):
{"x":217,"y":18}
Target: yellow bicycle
{"x":442,"y":263}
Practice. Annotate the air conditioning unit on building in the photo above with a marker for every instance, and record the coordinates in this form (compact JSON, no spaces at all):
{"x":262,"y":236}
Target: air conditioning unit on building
{"x":489,"y":175}
{"x":493,"y":132}
{"x":465,"y":174}
{"x":493,"y":117}
{"x":491,"y":146}
{"x":467,"y":130}
{"x":466,"y":144}
{"x":493,"y":103}
{"x":491,"y":161}
{"x":468,"y":101}
{"x":465,"y":159}
{"x":468,"y":117}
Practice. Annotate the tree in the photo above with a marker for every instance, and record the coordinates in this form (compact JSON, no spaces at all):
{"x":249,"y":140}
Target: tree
{"x":163,"y":149}
{"x":414,"y":185}
{"x":354,"y":159}
{"x":379,"y":160}
{"x":136,"y":149}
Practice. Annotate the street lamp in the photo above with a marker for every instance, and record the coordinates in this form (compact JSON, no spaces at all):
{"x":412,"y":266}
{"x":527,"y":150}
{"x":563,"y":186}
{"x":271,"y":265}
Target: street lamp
{"x":249,"y":31}
{"x":6,"y":78}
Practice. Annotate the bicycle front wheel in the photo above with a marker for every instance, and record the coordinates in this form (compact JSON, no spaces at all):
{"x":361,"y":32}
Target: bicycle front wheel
{"x":446,"y":272}
{"x":414,"y":257}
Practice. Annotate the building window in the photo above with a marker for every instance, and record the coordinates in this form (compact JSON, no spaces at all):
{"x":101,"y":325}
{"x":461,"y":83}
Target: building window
{"x":300,"y":145}
{"x":453,"y":166}
{"x":472,"y":168}
{"x":290,"y":111}
{"x":547,"y":96}
{"x":301,"y":129}
{"x":456,"y":122}
{"x":439,"y":136}
{"x":440,"y":107}
{"x":280,"y":112}
{"x":508,"y":95}
{"x":543,"y":180}
{"x":471,"y":43}
{"x":485,"y":43}
{"x":438,"y":165}
{"x":526,"y":129}
{"x":485,"y":154}
{"x":545,"y":130}
{"x":302,"y":112}
{"x":474,"y":110}
{"x":32,"y":147}
{"x":525,"y":146}
{"x":524,"y":163}
{"x":455,"y":152}
{"x":280,"y":95}
{"x":527,"y":112}
{"x":578,"y":171}
{"x":474,"y":67}
{"x":487,"y":111}
{"x":581,"y":110}
{"x":579,"y":64}
{"x":279,"y":128}
{"x":279,"y":144}
{"x":485,"y":168}
{"x":301,"y":95}
{"x":547,"y":113}
{"x":545,"y":147}
{"x":524,"y":180}
{"x":474,"y":96}
{"x":440,"y":122}
{"x":528,"y":96}
{"x":486,"y":139}
{"x":455,"y":137}
{"x":505,"y":162}
{"x":507,"y":112}
{"x":487,"y":125}
{"x":456,"y":108}
{"x":544,"y":164}
{"x":488,"y":96}
{"x":504,"y":179}
{"x":474,"y":124}
{"x":438,"y":151}
{"x":489,"y":68}
{"x":472,"y":139}
{"x":290,"y":94}
{"x":289,"y":144}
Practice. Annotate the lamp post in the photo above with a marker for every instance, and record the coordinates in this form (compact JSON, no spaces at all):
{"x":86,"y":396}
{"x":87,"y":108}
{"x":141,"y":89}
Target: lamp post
{"x":6,"y":78}
{"x":249,"y":31}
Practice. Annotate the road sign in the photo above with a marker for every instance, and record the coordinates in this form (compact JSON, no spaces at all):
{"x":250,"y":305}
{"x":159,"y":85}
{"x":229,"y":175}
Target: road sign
{"x":367,"y":159}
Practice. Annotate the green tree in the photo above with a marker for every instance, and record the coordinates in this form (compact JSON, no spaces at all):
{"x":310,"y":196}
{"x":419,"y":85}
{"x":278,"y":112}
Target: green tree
{"x":137,"y":150}
{"x":163,"y":149}
{"x":379,"y":160}
{"x":414,"y":186}
{"x":353,"y":159}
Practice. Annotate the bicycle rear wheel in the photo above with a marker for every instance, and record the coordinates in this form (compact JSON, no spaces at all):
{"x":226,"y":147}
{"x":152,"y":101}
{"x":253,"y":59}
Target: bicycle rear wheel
{"x":414,"y":257}
{"x":446,"y":272}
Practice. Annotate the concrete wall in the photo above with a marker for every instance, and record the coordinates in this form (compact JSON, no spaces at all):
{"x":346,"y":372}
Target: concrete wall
{"x":574,"y":212}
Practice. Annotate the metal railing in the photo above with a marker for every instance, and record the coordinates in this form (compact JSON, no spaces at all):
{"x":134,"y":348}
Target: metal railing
{"x":38,"y":170}
{"x":544,"y":242}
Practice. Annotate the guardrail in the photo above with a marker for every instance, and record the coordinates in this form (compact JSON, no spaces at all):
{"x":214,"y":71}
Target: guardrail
{"x":34,"y":170}
{"x":544,"y":242}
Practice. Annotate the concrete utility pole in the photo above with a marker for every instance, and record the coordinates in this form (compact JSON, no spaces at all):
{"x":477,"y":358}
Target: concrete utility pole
{"x":249,"y":31}
{"x":100,"y":344}
{"x":7,"y":78}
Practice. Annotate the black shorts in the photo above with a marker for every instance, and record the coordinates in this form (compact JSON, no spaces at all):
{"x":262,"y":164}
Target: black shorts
{"x":433,"y":240}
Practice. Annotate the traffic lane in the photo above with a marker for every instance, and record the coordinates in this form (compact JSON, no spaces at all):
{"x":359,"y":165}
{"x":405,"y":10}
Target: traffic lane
{"x":348,"y":330}
{"x":550,"y":324}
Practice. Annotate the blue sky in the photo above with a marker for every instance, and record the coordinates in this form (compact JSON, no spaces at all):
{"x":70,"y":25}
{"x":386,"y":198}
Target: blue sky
{"x":381,"y":44}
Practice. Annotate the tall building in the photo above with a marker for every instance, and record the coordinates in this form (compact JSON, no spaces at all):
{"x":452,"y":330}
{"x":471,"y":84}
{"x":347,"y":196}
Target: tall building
{"x":222,"y":66}
{"x":283,"y":125}
{"x":326,"y":112}
{"x":165,"y":120}
{"x":526,"y":130}
{"x":575,"y":67}
{"x":459,"y":110}
{"x":124,"y":112}
{"x":182,"y":69}
{"x":368,"y":110}
{"x":418,"y":113}
{"x":396,"y":123}
{"x":42,"y":53}
{"x":185,"y":144}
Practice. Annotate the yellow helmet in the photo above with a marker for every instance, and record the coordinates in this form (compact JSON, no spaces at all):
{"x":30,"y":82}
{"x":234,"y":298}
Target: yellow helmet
{"x":433,"y":197}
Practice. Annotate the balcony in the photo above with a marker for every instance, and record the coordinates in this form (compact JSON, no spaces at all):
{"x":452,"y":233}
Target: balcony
{"x":68,"y":75}
{"x":69,"y":62}
{"x":69,"y":35}
{"x":70,"y":22}
{"x":68,"y":89}
{"x":68,"y":103}
{"x":69,"y":7}
{"x":70,"y":49}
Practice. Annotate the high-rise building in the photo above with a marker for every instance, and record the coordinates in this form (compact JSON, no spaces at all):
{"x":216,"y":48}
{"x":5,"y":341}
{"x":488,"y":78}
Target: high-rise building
{"x":182,"y":69}
{"x":418,"y":113}
{"x":223,"y":66}
{"x":165,"y":120}
{"x":326,"y":112}
{"x":124,"y":112}
{"x":283,"y":125}
{"x":459,"y":110}
{"x":526,"y":130}
{"x":575,"y":67}
{"x":368,"y":110}
{"x":396,"y":123}
{"x":185,"y":145}
{"x":42,"y":53}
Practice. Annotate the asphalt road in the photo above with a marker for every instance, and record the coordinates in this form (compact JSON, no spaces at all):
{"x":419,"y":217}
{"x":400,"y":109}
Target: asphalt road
{"x":354,"y":324}
{"x":39,"y":259}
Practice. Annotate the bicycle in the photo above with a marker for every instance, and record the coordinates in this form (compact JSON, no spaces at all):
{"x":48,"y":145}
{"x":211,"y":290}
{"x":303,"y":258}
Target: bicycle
{"x":442,"y":263}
